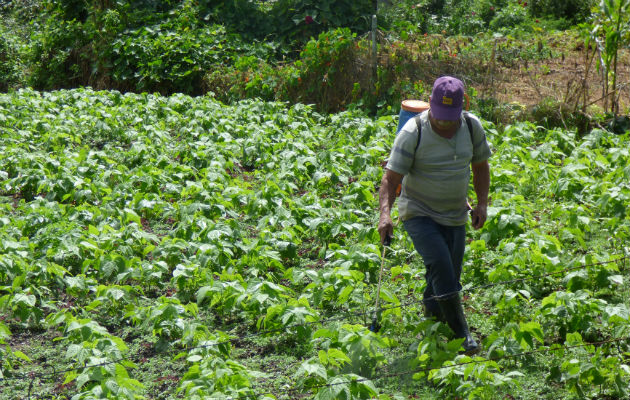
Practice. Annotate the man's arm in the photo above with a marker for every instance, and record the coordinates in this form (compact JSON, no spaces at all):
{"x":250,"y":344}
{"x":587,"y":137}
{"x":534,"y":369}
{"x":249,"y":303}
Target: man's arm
{"x":386,"y":199}
{"x":481,"y":184}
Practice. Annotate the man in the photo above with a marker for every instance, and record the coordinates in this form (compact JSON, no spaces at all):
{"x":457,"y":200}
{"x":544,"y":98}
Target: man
{"x":434,"y":168}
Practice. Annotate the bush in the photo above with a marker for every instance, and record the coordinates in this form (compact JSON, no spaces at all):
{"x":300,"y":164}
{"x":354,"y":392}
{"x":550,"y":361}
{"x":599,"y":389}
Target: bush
{"x":466,"y":17}
{"x":169,"y":59}
{"x":499,"y":113}
{"x":299,"y":20}
{"x":70,"y":49}
{"x":575,"y":11}
{"x":10,"y":61}
{"x":327,"y":71}
{"x":552,"y":113}
{"x":58,"y":55}
{"x":404,"y":18}
{"x":288,"y":21}
{"x":510,"y":16}
{"x":241,"y":16}
{"x":248,"y":78}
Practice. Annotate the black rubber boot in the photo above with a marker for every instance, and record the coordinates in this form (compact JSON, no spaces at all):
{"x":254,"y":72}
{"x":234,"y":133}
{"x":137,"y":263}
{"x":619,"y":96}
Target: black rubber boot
{"x":453,"y":313}
{"x":433,"y":313}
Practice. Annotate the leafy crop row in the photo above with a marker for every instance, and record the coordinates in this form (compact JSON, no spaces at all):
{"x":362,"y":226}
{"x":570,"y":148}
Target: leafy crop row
{"x":199,"y":226}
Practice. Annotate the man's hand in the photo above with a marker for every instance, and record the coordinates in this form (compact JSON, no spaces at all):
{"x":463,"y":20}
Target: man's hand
{"x":481,"y":183}
{"x":479,"y":215}
{"x":385,"y":228}
{"x":387,"y":196}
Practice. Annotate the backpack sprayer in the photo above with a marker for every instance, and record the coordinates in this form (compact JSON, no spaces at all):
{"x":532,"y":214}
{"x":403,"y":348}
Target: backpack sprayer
{"x":408,"y":110}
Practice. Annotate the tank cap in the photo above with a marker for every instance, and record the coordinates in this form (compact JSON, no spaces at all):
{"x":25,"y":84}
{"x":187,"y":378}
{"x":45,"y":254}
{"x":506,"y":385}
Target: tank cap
{"x":414,"y":105}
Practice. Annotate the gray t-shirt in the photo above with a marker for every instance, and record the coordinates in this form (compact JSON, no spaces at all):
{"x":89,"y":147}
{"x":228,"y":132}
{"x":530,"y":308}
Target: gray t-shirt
{"x":437,"y":176}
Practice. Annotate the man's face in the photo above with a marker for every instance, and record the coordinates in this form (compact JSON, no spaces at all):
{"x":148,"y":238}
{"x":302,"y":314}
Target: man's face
{"x":444,"y":125}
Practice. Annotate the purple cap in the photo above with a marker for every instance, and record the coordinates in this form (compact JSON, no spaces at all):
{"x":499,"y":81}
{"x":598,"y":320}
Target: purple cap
{"x":447,"y":98}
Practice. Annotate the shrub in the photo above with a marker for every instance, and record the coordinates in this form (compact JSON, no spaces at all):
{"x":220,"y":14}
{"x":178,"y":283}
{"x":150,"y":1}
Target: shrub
{"x":327,"y":71}
{"x":430,"y":16}
{"x":69,"y":49}
{"x":242,"y":16}
{"x":288,"y":21}
{"x":10,"y":61}
{"x":462,"y":17}
{"x":57,"y":56}
{"x":174,"y":56}
{"x":499,"y":113}
{"x":250,"y":77}
{"x":572,"y":10}
{"x":299,"y":20}
{"x":552,"y":113}
{"x":510,"y":16}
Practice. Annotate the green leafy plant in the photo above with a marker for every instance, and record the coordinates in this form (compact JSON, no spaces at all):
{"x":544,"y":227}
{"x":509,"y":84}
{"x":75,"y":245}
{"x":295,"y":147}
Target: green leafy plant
{"x":602,"y":369}
{"x":134,"y":223}
{"x":348,"y":354}
{"x":438,"y":361}
{"x":308,"y":18}
{"x":351,"y":349}
{"x":572,"y":312}
{"x":10,"y":359}
{"x":10,"y":60}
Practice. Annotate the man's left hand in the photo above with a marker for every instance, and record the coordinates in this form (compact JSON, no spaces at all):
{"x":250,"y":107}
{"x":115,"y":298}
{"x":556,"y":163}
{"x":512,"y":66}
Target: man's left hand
{"x":479,"y":215}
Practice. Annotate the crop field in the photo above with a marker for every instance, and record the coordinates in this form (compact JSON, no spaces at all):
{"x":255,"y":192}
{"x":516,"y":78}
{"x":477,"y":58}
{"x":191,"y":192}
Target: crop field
{"x":176,"y":247}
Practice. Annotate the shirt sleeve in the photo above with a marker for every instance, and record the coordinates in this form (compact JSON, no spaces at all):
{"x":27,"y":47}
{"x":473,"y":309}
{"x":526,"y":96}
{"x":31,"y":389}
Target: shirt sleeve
{"x":404,"y":149}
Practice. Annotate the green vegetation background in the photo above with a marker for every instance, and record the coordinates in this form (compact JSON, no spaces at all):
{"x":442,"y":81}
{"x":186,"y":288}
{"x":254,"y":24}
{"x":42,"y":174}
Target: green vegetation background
{"x":314,"y":52}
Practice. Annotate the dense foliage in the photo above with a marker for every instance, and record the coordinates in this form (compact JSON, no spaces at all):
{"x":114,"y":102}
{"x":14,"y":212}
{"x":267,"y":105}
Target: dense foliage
{"x":168,"y":46}
{"x":175,"y":246}
{"x":469,"y":17}
{"x":247,"y":49}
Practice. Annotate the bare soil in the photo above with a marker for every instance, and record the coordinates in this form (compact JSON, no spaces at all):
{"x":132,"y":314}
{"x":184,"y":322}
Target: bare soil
{"x":556,"y":68}
{"x":569,"y":76}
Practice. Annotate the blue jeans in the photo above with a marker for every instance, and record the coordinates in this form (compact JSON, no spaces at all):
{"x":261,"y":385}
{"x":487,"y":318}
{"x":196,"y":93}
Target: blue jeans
{"x":442,"y":249}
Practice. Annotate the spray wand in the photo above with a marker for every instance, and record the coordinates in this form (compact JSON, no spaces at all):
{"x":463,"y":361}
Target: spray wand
{"x":375,"y":326}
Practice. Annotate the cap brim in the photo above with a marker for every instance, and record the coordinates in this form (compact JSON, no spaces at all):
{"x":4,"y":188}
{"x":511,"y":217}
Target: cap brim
{"x":446,"y":113}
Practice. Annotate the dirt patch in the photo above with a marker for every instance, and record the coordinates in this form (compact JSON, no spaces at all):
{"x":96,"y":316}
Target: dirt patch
{"x":558,"y":69}
{"x":570,"y":76}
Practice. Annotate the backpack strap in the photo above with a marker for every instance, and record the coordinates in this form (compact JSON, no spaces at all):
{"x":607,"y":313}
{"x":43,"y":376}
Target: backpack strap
{"x":419,"y":125}
{"x":470,"y":129}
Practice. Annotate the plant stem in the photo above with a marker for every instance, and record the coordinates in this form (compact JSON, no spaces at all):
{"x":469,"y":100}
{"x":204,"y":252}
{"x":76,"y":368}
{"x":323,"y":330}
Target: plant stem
{"x":615,"y":103}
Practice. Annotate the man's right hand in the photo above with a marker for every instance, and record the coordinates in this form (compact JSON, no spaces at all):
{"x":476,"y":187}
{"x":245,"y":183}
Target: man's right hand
{"x":387,"y":196}
{"x":385,"y":228}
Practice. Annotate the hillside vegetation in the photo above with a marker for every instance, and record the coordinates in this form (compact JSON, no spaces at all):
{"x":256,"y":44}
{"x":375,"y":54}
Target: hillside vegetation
{"x":511,"y":53}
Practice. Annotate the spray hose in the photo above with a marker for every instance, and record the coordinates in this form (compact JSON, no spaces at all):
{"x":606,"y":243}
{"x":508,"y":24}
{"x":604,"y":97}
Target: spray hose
{"x":375,"y":326}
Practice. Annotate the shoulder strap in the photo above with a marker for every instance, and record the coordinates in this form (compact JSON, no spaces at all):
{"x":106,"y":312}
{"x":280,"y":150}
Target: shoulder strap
{"x":470,"y":128}
{"x":419,"y":125}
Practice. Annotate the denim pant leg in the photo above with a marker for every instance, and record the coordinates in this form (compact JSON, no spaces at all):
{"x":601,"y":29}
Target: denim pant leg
{"x":442,"y":249}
